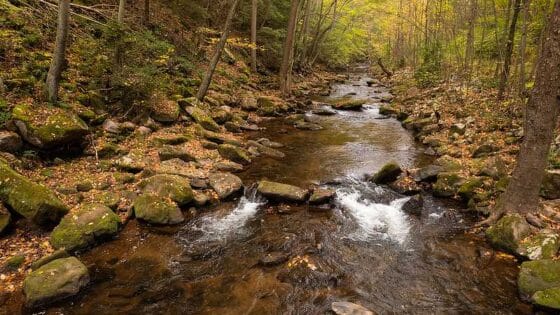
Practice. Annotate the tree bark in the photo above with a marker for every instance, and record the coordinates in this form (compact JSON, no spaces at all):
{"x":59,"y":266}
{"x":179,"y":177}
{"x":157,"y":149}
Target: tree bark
{"x":541,"y":116}
{"x":287,"y":55}
{"x":469,"y":53}
{"x":120,"y":15}
{"x":509,"y":50}
{"x":57,"y":63}
{"x":205,"y":84}
{"x":522,"y":48}
{"x":146,"y":13}
{"x":254,"y":9}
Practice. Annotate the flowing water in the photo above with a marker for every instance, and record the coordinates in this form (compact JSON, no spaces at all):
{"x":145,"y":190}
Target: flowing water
{"x":364,"y":249}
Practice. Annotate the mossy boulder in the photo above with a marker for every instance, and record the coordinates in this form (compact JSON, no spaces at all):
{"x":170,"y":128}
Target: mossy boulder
{"x":282,"y":192}
{"x":47,"y":126}
{"x":468,"y":189}
{"x":549,"y":298}
{"x":169,"y":152}
{"x":269,"y":106}
{"x":447,"y":184}
{"x":234,"y":153}
{"x":85,"y":226}
{"x":387,"y":110}
{"x":508,"y":232}
{"x":543,"y":245}
{"x":484,"y":150}
{"x":202,"y":118}
{"x":157,"y":210}
{"x":550,"y":188}
{"x":168,"y":186}
{"x":349,"y":104}
{"x":225,"y":184}
{"x":166,"y":111}
{"x":321,"y":196}
{"x":387,"y":174}
{"x":538,"y":275}
{"x":54,"y":281}
{"x":33,"y":201}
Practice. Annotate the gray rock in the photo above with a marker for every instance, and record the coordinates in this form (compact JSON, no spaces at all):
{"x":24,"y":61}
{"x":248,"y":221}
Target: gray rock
{"x":111,"y":126}
{"x":303,"y":125}
{"x":229,"y":166}
{"x":59,"y":279}
{"x":347,"y":308}
{"x":180,"y":167}
{"x":234,"y":153}
{"x":225,"y":184}
{"x":169,"y":152}
{"x":321,"y":196}
{"x":143,"y":131}
{"x":388,"y":173}
{"x":484,"y":150}
{"x":175,"y":187}
{"x":10,"y":141}
{"x":508,"y":232}
{"x":265,"y":150}
{"x":282,"y":192}
{"x":414,"y":205}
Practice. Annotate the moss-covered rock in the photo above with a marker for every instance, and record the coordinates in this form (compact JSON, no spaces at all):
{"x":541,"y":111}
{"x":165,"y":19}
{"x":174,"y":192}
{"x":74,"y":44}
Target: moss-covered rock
{"x":447,"y":184}
{"x":549,"y":298}
{"x":168,"y":186}
{"x":169,"y":152}
{"x":538,"y":275}
{"x":225,"y":184}
{"x":282,"y":192}
{"x":550,"y":188}
{"x":321,"y":196}
{"x":484,"y":150}
{"x":48,"y":127}
{"x":157,"y":210}
{"x":54,"y":281}
{"x":33,"y":201}
{"x":387,"y":174}
{"x":269,"y":106}
{"x":234,"y":153}
{"x":468,"y":189}
{"x":543,"y":245}
{"x":85,"y":226}
{"x":387,"y":110}
{"x":508,"y":232}
{"x":166,"y":111}
{"x":349,"y":104}
{"x":203,"y":119}
{"x":57,"y":254}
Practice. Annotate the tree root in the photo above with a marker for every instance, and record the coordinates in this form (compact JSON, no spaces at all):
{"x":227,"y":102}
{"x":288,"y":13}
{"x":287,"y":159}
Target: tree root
{"x":493,"y":218}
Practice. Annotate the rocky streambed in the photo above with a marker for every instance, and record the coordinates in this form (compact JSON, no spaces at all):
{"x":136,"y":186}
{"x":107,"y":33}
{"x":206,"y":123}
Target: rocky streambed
{"x":306,"y":224}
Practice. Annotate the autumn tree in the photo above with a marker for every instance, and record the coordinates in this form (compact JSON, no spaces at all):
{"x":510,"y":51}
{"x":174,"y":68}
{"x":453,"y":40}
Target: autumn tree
{"x":57,"y":63}
{"x":254,"y":11}
{"x":541,"y":116}
{"x":288,"y":51}
{"x":205,"y":84}
{"x":509,"y":50}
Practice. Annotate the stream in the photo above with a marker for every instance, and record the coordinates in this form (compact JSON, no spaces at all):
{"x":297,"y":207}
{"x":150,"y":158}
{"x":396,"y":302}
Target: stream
{"x":243,"y":257}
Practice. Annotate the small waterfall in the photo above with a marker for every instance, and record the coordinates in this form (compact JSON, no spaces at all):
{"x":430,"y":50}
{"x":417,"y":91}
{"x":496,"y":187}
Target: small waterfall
{"x":215,"y":228}
{"x":385,"y":221}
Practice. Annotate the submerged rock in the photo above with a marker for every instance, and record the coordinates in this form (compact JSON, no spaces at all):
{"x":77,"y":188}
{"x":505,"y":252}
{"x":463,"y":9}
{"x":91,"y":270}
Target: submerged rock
{"x":85,"y":226}
{"x":508,"y":232}
{"x":234,"y":153}
{"x":303,"y":125}
{"x":347,"y":308}
{"x":54,"y":281}
{"x":33,"y":201}
{"x":266,"y":150}
{"x":48,"y":126}
{"x":537,"y":276}
{"x":324,"y":111}
{"x":282,"y":192}
{"x":225,"y":184}
{"x":168,"y":186}
{"x":157,"y":210}
{"x":387,"y":174}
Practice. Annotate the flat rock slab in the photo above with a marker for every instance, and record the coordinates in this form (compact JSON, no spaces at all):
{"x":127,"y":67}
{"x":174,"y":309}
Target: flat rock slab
{"x":282,"y":192}
{"x":54,"y":281}
{"x":225,"y":184}
{"x":321,"y":195}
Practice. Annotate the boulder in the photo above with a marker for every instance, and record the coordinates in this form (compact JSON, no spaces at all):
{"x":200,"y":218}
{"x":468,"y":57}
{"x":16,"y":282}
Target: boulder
{"x":447,"y":184}
{"x":166,"y":111}
{"x":414,"y":205}
{"x":133,"y":162}
{"x":265,"y":150}
{"x":468,"y":189}
{"x":347,"y":308}
{"x":111,"y":126}
{"x":168,"y":186}
{"x":48,"y":127}
{"x":33,"y":201}
{"x":508,"y":232}
{"x":169,"y":152}
{"x":387,"y":110}
{"x":5,"y":218}
{"x":549,"y":298}
{"x":10,"y":141}
{"x":543,"y":245}
{"x":550,"y":188}
{"x":387,"y":174}
{"x":157,"y":210}
{"x":321,"y":196}
{"x":234,"y":153}
{"x":282,"y":192}
{"x":54,"y":281}
{"x":202,"y":118}
{"x":484,"y":150}
{"x":85,"y":226}
{"x":221,"y":116}
{"x":248,"y":103}
{"x":538,"y":275}
{"x":349,"y":104}
{"x":428,"y":173}
{"x":270,"y":106}
{"x":229,"y":166}
{"x":225,"y":184}
{"x":57,"y":254}
{"x":493,"y":167}
{"x":180,"y":167}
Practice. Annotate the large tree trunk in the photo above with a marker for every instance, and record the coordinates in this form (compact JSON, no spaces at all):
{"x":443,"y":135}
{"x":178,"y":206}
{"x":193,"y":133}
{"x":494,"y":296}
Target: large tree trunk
{"x":205,"y":84}
{"x":523,"y":47}
{"x":57,"y":63}
{"x":509,"y":50}
{"x":254,"y":9}
{"x":287,"y":55}
{"x":146,"y":13}
{"x":541,"y":116}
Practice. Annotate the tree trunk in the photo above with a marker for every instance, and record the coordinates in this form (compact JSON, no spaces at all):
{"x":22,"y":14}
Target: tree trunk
{"x":205,"y":84}
{"x":469,"y":53}
{"x":57,"y":63}
{"x":509,"y":50}
{"x":146,"y":13}
{"x":286,"y":66}
{"x":522,"y":48}
{"x":541,"y":117}
{"x":305,"y":33}
{"x":254,"y":9}
{"x":387,"y":72}
{"x":120,"y":15}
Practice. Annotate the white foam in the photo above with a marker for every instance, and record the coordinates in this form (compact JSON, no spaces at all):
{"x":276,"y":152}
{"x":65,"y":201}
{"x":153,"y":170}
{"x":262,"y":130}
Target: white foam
{"x":374,"y":219}
{"x":217,"y":228}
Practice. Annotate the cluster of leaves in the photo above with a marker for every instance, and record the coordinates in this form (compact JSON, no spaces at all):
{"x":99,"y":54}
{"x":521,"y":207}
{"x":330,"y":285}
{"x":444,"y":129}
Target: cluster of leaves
{"x":429,"y":72}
